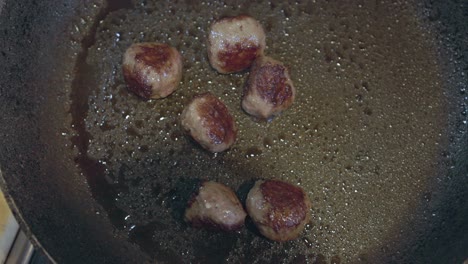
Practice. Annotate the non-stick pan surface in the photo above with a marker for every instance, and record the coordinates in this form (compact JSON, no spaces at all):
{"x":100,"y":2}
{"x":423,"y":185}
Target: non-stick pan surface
{"x":376,"y":135}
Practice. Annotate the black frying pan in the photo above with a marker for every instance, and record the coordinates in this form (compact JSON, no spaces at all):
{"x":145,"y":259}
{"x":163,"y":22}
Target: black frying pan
{"x":377,"y":136}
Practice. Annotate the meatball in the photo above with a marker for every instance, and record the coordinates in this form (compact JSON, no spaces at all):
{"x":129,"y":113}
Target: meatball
{"x":278,"y":209}
{"x":268,"y":90}
{"x":152,"y":70}
{"x":215,"y":206}
{"x":209,"y":122}
{"x":234,"y":43}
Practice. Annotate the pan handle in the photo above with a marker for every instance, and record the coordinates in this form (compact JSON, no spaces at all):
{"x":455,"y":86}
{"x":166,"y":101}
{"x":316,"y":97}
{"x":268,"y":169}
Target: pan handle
{"x":22,"y":250}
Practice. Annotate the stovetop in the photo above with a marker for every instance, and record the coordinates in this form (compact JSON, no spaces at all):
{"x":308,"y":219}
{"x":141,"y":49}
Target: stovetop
{"x":14,"y":245}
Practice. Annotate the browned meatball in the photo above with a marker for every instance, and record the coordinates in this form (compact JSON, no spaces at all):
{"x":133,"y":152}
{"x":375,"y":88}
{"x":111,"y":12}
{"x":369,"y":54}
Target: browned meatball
{"x":234,"y":43}
{"x":209,"y":122}
{"x":268,"y":90}
{"x":278,"y":209}
{"x":215,"y":206}
{"x":152,"y":70}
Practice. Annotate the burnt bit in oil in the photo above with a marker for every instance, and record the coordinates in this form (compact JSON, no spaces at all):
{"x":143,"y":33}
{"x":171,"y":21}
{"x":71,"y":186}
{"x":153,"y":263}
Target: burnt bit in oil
{"x":367,"y":111}
{"x":133,"y":132}
{"x":267,"y":142}
{"x":253,"y":151}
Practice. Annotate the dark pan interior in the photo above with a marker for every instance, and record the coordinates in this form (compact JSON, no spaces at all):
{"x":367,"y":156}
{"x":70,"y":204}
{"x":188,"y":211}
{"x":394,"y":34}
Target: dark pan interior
{"x":39,"y":177}
{"x":381,"y":113}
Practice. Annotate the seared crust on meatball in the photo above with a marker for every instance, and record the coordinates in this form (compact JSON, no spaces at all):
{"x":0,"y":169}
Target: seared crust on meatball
{"x":268,"y":90}
{"x":152,"y":70}
{"x":209,"y":122}
{"x":279,"y":210}
{"x":215,"y":206}
{"x":234,"y":43}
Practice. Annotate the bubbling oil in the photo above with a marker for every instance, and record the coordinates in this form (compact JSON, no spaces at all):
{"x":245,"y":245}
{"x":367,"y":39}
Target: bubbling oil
{"x":361,"y":138}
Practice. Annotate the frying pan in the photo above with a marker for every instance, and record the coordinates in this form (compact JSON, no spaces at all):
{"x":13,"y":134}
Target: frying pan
{"x":377,"y":135}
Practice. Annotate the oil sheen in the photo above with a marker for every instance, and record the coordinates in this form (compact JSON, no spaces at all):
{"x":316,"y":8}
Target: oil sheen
{"x":362,"y":137}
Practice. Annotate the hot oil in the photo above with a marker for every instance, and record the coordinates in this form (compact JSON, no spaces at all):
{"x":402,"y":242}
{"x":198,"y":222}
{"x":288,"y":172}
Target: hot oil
{"x":362,"y":136}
